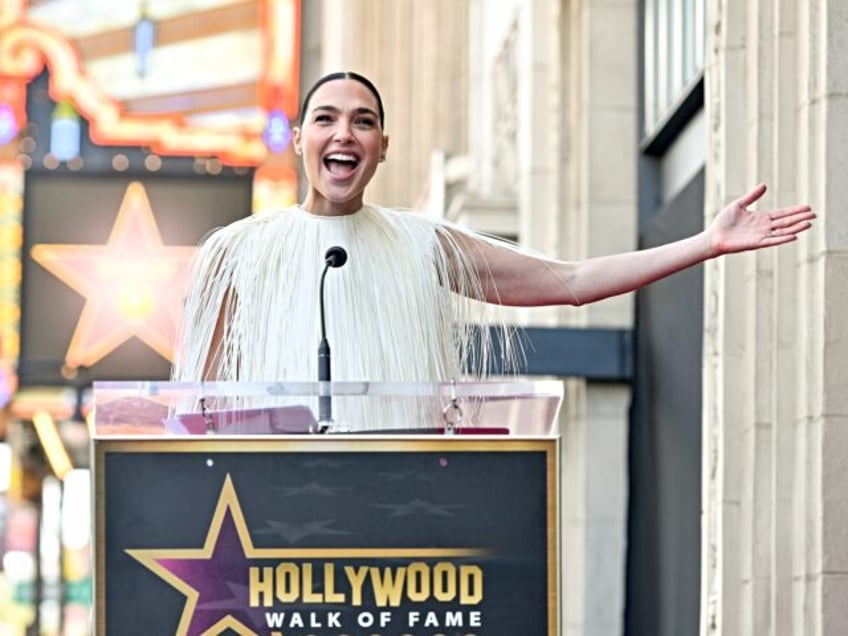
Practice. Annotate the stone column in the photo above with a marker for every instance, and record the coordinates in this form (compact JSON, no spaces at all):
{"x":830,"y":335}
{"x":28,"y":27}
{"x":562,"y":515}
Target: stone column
{"x":598,"y":216}
{"x":775,"y":548}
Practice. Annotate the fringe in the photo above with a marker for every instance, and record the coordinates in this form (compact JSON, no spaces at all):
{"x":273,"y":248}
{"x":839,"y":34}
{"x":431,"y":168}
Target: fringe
{"x":389,"y":314}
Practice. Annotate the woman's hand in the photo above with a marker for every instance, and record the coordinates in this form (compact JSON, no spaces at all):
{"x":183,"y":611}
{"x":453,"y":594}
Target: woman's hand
{"x":736,"y":228}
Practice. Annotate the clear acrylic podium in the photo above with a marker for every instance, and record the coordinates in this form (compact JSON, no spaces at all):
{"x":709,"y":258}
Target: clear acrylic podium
{"x":423,"y":509}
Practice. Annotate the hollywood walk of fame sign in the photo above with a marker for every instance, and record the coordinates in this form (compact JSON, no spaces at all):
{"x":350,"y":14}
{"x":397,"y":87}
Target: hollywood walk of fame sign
{"x":254,"y":537}
{"x":132,"y":285}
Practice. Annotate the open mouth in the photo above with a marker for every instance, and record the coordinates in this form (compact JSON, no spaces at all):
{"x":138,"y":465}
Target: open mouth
{"x":341,"y":164}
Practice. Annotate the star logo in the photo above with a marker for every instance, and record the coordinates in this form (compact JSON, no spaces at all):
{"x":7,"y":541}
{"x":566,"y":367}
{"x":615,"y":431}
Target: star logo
{"x":210,"y":576}
{"x":133,"y":285}
{"x":215,"y":578}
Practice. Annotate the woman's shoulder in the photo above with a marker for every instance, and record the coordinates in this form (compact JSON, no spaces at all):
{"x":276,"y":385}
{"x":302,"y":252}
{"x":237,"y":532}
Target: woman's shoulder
{"x":422,"y":220}
{"x":247,"y":225}
{"x":408,"y":217}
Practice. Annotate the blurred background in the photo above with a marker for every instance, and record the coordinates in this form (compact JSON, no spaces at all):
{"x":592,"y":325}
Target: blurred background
{"x":705,"y":416}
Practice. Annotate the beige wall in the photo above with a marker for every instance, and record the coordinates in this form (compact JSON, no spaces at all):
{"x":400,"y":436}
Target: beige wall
{"x":416,"y":53}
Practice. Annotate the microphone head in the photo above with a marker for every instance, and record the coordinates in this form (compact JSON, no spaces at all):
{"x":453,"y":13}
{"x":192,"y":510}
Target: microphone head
{"x":336,"y":256}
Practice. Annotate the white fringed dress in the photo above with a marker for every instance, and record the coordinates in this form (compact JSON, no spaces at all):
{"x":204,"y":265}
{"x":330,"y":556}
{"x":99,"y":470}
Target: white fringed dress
{"x":403,"y":308}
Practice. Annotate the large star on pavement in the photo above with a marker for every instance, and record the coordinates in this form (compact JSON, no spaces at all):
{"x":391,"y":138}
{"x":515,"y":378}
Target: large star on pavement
{"x":132,"y":286}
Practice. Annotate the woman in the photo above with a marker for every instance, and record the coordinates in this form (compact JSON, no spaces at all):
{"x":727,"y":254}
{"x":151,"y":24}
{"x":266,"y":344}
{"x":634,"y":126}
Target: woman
{"x":404,"y":306}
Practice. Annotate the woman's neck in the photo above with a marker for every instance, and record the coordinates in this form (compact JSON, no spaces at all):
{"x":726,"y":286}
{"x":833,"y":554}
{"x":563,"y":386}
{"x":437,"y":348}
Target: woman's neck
{"x":323,"y":207}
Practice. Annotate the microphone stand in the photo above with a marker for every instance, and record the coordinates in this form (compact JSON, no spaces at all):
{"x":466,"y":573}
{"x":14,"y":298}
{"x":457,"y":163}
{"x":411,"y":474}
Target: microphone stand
{"x":325,"y":400}
{"x":335,"y":257}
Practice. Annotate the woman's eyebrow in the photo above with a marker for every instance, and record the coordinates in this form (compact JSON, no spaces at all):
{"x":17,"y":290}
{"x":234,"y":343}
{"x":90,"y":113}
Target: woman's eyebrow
{"x":362,"y":110}
{"x":330,"y":108}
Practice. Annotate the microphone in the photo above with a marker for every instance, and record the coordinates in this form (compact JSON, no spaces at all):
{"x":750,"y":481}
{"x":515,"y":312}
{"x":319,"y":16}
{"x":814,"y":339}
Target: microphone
{"x":335,"y":257}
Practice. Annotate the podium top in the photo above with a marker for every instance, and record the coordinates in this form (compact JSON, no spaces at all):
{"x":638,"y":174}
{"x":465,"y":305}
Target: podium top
{"x":257,"y":408}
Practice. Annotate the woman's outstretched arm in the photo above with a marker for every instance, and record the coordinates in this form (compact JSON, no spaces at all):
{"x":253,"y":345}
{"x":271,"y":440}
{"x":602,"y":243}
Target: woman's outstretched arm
{"x":510,"y":277}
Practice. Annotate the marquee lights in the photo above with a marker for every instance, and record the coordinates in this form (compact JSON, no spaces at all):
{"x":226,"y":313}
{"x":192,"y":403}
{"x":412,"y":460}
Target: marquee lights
{"x":278,"y":133}
{"x":25,"y":47}
{"x":8,"y":124}
{"x":144,"y":38}
{"x":65,"y":131}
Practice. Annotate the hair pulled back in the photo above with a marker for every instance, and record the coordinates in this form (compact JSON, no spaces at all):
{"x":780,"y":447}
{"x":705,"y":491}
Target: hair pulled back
{"x":339,"y":75}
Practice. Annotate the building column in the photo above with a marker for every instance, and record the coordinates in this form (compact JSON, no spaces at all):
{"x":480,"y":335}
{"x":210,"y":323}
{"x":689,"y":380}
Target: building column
{"x":597,"y":191}
{"x":775,"y":544}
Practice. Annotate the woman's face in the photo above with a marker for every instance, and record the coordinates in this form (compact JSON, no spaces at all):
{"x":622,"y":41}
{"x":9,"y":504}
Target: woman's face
{"x":341,"y":143}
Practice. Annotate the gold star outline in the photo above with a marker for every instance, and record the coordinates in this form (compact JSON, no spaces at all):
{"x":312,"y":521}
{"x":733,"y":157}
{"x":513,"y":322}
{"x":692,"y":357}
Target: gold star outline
{"x":227,"y":502}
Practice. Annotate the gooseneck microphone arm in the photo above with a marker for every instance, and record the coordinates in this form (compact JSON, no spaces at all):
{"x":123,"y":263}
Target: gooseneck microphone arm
{"x":335,"y":257}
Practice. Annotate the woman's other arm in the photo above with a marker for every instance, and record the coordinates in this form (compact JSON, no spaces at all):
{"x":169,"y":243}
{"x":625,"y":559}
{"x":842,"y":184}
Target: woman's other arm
{"x":510,"y":277}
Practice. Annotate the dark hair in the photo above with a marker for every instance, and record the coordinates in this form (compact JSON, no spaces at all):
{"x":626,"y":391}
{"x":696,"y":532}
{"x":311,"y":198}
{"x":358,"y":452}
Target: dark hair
{"x":344,"y":75}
